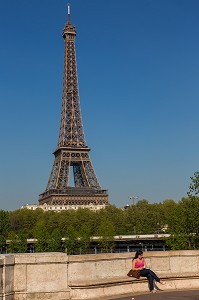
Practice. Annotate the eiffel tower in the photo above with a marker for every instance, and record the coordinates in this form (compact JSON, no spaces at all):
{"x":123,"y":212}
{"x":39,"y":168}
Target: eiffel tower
{"x":72,"y":153}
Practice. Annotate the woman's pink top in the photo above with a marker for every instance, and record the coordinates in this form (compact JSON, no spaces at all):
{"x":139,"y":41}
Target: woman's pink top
{"x":139,"y":264}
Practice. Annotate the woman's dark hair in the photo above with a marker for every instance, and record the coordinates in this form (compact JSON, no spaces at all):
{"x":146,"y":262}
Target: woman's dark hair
{"x":139,"y":252}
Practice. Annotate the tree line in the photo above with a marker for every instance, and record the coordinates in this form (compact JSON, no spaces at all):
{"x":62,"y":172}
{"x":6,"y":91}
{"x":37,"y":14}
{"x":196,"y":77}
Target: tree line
{"x":58,"y":231}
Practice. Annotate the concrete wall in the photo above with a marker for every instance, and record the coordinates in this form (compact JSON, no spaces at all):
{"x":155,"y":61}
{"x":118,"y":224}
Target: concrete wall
{"x":60,"y":277}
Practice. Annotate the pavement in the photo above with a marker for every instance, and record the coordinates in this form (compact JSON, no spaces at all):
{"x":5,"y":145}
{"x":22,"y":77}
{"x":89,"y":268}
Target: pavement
{"x":165,"y":295}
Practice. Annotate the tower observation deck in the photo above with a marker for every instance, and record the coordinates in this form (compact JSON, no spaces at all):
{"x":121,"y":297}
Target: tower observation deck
{"x":72,"y":153}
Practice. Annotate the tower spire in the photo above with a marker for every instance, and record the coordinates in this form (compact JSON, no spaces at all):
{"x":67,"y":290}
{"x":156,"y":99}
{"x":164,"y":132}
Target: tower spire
{"x":68,"y":13}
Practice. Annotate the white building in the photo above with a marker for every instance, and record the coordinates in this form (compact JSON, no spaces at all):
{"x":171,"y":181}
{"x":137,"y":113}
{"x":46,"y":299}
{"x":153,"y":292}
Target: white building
{"x":59,"y":208}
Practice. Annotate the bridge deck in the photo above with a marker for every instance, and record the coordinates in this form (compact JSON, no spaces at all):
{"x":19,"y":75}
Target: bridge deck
{"x":167,"y":295}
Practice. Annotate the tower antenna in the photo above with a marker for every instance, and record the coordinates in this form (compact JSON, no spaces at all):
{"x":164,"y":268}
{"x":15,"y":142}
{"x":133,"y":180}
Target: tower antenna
{"x":68,"y":13}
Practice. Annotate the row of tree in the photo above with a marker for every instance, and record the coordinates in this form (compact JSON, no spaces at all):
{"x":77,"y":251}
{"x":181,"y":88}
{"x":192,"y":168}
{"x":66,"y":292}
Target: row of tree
{"x":74,"y":229}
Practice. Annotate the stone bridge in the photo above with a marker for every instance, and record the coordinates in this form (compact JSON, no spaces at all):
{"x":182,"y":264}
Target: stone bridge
{"x":58,"y":276}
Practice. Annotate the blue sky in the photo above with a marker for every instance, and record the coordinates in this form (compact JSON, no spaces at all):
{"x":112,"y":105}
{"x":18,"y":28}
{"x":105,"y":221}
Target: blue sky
{"x":138,"y":70}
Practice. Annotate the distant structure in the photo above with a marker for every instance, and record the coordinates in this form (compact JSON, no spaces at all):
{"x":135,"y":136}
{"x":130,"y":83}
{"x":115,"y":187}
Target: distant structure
{"x":59,"y":208}
{"x":72,"y":153}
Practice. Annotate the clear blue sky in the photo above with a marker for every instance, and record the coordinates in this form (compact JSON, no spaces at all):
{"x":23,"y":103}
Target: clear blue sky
{"x":138,"y":68}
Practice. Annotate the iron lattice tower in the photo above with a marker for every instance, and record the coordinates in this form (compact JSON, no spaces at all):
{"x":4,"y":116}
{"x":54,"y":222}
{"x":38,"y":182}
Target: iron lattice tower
{"x":72,"y":152}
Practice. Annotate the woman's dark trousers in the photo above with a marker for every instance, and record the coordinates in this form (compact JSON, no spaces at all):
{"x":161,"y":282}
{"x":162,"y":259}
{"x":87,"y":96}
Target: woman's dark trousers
{"x":150,"y":276}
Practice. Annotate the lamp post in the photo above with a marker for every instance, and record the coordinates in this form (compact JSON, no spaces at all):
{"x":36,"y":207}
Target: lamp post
{"x":133,"y":197}
{"x":142,"y":244}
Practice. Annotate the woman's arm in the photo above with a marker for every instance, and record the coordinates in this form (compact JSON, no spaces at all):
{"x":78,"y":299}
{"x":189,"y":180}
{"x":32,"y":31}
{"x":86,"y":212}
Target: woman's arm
{"x":145,"y":265}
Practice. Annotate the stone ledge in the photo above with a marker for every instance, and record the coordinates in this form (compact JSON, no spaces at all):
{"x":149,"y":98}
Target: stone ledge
{"x":59,"y":295}
{"x":105,"y":289}
{"x":41,"y":258}
{"x":127,"y":280}
{"x":129,"y":255}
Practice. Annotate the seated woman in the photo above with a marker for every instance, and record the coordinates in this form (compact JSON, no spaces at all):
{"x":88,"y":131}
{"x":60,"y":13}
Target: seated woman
{"x":139,"y":263}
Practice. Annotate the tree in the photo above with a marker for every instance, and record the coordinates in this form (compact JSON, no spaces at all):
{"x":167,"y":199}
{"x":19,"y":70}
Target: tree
{"x":144,"y":218}
{"x":55,"y":242}
{"x":130,"y":220}
{"x":194,"y":185}
{"x":66,"y":218}
{"x":173,"y":216}
{"x":106,"y":234}
{"x":51,"y":220}
{"x":4,"y":223}
{"x":13,"y":242}
{"x":43,"y":237}
{"x":17,"y":243}
{"x":22,"y":242}
{"x":116,"y":216}
{"x":25,"y":219}
{"x":193,"y":211}
{"x":2,"y":243}
{"x":183,"y":224}
{"x":71,"y":240}
{"x":84,"y":238}
{"x":84,"y":217}
{"x":177,"y":241}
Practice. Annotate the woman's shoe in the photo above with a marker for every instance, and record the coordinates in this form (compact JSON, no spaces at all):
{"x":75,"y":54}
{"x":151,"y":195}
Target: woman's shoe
{"x":153,"y":291}
{"x":133,"y":298}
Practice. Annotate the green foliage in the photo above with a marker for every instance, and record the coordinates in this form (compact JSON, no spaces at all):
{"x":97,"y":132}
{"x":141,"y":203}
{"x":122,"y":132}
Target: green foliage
{"x":43,"y":237}
{"x":84,"y":238}
{"x":194,"y":185}
{"x":115,"y":215}
{"x":2,"y":243}
{"x":106,"y":233}
{"x":71,"y":242}
{"x":13,"y":242}
{"x":25,"y":220}
{"x":22,"y":242}
{"x":5,"y":225}
{"x":50,"y":220}
{"x":177,"y":242}
{"x":78,"y":227}
{"x":173,"y":216}
{"x":144,"y":218}
{"x":55,"y":241}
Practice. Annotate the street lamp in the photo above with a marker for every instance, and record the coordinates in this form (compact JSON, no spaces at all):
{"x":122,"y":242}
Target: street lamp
{"x":133,"y":197}
{"x":142,"y":244}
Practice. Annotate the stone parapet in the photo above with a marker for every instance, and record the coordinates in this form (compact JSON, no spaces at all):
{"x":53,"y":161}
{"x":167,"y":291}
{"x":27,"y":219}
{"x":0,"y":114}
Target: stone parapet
{"x":58,"y":276}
